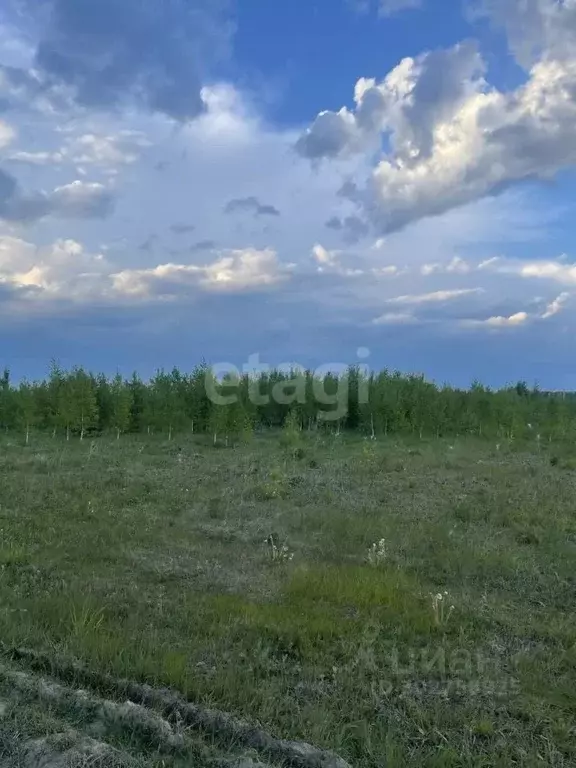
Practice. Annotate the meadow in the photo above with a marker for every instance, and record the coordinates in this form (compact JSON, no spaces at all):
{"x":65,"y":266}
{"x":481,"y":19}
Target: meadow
{"x":396,"y":601}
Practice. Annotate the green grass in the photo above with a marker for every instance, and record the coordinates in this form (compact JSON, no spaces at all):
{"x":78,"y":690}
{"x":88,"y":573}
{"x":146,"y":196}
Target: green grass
{"x":150,"y":563}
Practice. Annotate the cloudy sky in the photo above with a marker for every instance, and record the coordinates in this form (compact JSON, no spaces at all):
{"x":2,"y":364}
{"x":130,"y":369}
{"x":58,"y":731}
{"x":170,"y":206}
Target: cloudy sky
{"x":290,"y":182}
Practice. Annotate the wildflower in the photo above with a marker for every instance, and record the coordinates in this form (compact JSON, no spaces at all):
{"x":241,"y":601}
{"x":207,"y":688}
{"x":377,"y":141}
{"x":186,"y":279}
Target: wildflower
{"x":439,"y":609}
{"x":377,"y":553}
{"x":278,"y":554}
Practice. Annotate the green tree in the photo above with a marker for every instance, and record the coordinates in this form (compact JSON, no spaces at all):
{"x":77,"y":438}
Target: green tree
{"x":27,"y":407}
{"x":82,"y":412}
{"x":6,"y":401}
{"x":121,"y":405}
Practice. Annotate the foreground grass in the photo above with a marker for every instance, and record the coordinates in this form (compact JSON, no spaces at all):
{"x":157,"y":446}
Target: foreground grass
{"x":147,"y":560}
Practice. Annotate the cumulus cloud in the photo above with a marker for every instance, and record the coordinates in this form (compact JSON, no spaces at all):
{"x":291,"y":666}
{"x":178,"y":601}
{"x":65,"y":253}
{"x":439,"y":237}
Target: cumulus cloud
{"x":81,"y":200}
{"x":234,"y":271}
{"x":65,"y":270}
{"x":76,"y":200}
{"x":62,"y":270}
{"x":519,"y":318}
{"x":407,"y":105}
{"x":105,"y":152}
{"x":535,"y":28}
{"x":109,"y":53}
{"x":558,"y":271}
{"x":250,"y":205}
{"x":550,"y":309}
{"x":449,"y":137}
{"x":123,"y":148}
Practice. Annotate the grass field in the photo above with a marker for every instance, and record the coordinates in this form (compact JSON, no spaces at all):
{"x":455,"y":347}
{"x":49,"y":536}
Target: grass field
{"x":151,"y":560}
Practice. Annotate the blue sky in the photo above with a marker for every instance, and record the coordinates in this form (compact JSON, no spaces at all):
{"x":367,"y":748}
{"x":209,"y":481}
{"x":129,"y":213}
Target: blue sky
{"x":224,"y":179}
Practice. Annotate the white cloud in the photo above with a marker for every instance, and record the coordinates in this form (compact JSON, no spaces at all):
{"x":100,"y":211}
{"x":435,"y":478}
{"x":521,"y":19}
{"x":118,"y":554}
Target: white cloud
{"x":552,"y":270}
{"x":551,"y":309}
{"x":455,"y":265}
{"x":415,"y":278}
{"x":451,"y":137}
{"x":400,"y":106}
{"x":395,"y":318}
{"x":123,"y":148}
{"x":499,"y":321}
{"x":65,"y":270}
{"x":390,"y":7}
{"x":62,"y":270}
{"x":248,"y":268}
{"x":556,"y":306}
{"x":331,"y":261}
{"x":7,"y":134}
{"x":228,"y":118}
{"x":103,"y":151}
{"x":519,"y":318}
{"x":391,"y":269}
{"x":37,"y":158}
{"x":234,"y":271}
{"x":324,"y":257}
{"x":81,"y":199}
{"x":436,"y":296}
{"x":535,"y":28}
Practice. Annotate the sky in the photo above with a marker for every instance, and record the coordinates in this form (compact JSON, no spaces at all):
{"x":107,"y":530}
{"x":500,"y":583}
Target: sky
{"x":321,"y":183}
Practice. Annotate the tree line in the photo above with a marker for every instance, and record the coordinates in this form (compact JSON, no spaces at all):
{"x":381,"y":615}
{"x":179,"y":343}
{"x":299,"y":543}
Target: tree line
{"x":78,"y":403}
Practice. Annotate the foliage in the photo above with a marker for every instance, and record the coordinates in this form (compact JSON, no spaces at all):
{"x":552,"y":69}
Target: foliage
{"x":229,"y":409}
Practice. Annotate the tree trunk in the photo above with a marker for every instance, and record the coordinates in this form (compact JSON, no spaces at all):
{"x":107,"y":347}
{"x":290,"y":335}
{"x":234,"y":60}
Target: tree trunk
{"x":373,"y":435}
{"x":215,"y":437}
{"x":117,"y":433}
{"x":27,"y":434}
{"x":170,"y":432}
{"x":67,"y":432}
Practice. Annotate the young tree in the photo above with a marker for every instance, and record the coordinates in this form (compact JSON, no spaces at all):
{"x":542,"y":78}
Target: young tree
{"x":139,"y":395}
{"x":6,"y":401}
{"x":103,"y":392}
{"x":82,"y":413}
{"x":27,"y":407}
{"x":121,"y":405}
{"x":196,"y":401}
